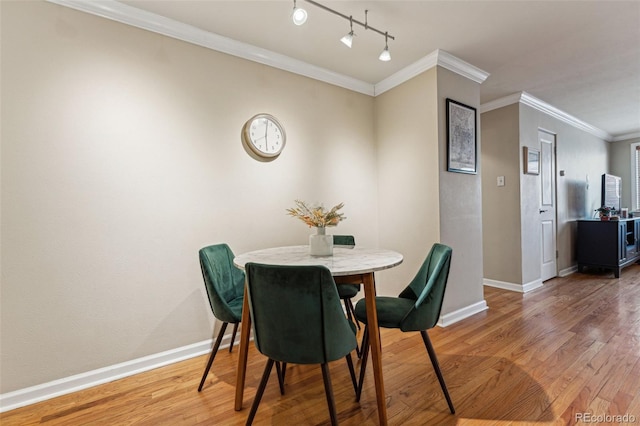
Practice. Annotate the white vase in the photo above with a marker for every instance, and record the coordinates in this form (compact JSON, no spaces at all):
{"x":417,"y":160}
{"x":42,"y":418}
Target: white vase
{"x":320,"y":244}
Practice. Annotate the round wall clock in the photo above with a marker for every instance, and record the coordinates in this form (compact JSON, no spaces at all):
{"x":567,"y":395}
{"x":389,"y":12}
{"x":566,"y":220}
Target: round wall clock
{"x":264,"y":135}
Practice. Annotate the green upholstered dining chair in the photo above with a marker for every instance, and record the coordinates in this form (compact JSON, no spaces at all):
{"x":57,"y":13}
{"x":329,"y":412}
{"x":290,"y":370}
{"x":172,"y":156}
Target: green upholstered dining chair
{"x":417,"y":308}
{"x":347,"y":291}
{"x":225,"y":288}
{"x":297,"y":318}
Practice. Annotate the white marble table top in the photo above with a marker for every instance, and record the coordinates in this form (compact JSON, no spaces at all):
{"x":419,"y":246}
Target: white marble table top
{"x":345,"y":260}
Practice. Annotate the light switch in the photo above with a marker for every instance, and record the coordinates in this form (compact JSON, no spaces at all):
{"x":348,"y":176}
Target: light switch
{"x":500,"y":180}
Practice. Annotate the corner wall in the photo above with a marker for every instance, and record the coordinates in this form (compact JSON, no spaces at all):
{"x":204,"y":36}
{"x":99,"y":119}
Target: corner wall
{"x":406,"y":120}
{"x":502,"y":254}
{"x":460,"y":205}
{"x":121,"y":158}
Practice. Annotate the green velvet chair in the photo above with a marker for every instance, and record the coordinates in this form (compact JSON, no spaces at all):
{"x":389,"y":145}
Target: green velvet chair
{"x":417,"y":308}
{"x":347,"y":291}
{"x":297,"y":318}
{"x":225,"y":288}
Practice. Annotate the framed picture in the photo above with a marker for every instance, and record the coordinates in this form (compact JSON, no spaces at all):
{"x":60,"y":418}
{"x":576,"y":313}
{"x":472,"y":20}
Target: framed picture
{"x":462,"y":154}
{"x":531,"y":161}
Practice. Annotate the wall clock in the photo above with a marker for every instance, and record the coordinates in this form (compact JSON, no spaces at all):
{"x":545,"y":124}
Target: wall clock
{"x":264,"y":135}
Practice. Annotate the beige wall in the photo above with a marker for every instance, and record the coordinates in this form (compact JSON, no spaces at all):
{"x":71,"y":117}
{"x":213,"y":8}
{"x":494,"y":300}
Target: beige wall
{"x":460,"y":201}
{"x":121,"y":157}
{"x":408,"y":183}
{"x":502,"y":255}
{"x":579,"y":155}
{"x":420,"y":202}
{"x":620,"y":165}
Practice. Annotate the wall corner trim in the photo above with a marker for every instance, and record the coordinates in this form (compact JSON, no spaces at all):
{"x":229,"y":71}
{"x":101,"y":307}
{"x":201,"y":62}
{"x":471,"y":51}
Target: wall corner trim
{"x":31,"y":395}
{"x":462,"y":313}
{"x":437,"y":57}
{"x":518,"y":288}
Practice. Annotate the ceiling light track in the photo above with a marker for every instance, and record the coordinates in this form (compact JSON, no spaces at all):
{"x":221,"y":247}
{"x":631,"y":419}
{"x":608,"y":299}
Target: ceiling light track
{"x":300,"y":17}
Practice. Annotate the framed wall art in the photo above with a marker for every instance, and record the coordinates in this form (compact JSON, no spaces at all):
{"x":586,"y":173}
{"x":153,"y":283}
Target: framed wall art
{"x":462,"y":154}
{"x":531,"y":158}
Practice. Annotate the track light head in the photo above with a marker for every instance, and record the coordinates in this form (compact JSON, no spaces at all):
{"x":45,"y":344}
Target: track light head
{"x":348,"y":39}
{"x":385,"y":56}
{"x":299,"y":15}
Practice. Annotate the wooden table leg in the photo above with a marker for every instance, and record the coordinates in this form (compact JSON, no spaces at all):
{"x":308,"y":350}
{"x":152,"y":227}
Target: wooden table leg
{"x":374,"y":341}
{"x":245,"y":333}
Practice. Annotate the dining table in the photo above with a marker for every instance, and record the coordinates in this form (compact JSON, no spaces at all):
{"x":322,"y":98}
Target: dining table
{"x":348,"y":265}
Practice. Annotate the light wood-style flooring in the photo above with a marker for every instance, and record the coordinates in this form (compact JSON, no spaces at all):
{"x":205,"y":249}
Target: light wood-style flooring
{"x":568,"y":348}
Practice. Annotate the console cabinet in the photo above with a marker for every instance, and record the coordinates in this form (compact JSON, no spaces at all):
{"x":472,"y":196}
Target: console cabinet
{"x":609,"y":244}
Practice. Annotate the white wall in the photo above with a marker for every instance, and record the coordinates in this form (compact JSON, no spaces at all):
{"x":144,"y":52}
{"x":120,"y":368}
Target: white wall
{"x":121,"y":157}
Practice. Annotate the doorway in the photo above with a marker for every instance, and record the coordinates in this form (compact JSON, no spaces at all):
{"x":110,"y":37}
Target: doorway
{"x":547,"y":210}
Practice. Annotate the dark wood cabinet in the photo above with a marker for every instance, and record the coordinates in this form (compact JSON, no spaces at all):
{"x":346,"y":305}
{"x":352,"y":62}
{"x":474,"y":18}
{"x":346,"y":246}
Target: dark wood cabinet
{"x":609,"y":244}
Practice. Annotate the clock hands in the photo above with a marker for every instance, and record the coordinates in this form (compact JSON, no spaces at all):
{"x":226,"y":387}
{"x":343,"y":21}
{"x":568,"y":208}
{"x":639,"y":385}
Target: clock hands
{"x":266,"y":128}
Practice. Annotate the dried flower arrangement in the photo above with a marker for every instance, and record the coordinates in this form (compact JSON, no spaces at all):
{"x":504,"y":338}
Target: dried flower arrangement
{"x":317,"y":215}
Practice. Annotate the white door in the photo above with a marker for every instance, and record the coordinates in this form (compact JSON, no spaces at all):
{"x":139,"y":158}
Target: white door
{"x":548,"y":205}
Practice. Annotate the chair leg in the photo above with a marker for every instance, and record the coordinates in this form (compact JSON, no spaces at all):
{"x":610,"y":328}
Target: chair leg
{"x":363,"y":366}
{"x":351,"y":312}
{"x":213,"y":354}
{"x":352,"y":373}
{"x":260,"y":391}
{"x":329,"y":392}
{"x":280,"y":371}
{"x":233,"y":336}
{"x":351,"y":316}
{"x":436,"y":367}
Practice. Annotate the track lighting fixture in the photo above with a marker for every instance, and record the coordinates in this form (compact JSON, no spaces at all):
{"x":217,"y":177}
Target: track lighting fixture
{"x":300,"y":17}
{"x":348,"y":39}
{"x":385,"y":56}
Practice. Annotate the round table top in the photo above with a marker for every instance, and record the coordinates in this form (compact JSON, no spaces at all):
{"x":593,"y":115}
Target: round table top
{"x":346,"y":260}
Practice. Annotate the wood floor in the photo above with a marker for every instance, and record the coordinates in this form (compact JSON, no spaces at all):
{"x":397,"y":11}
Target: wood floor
{"x":546,"y":357}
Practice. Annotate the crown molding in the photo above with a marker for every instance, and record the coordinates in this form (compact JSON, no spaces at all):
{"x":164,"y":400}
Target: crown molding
{"x":116,"y":11}
{"x":457,"y":65}
{"x":135,"y":17}
{"x":129,"y":15}
{"x":438,"y":57}
{"x":407,"y":73}
{"x":626,"y":137}
{"x":540,"y":105}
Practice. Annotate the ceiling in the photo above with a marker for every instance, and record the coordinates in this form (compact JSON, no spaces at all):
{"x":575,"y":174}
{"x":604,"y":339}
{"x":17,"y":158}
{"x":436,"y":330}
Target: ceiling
{"x":581,"y":57}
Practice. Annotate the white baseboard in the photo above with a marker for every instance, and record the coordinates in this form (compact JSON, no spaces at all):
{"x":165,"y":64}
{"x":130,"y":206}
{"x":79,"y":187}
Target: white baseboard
{"x":520,"y":288}
{"x":42,"y":392}
{"x":568,"y":271}
{"x":460,"y":314}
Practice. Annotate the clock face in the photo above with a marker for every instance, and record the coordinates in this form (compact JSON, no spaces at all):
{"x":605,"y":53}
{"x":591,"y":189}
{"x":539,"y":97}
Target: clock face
{"x":264,"y":135}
